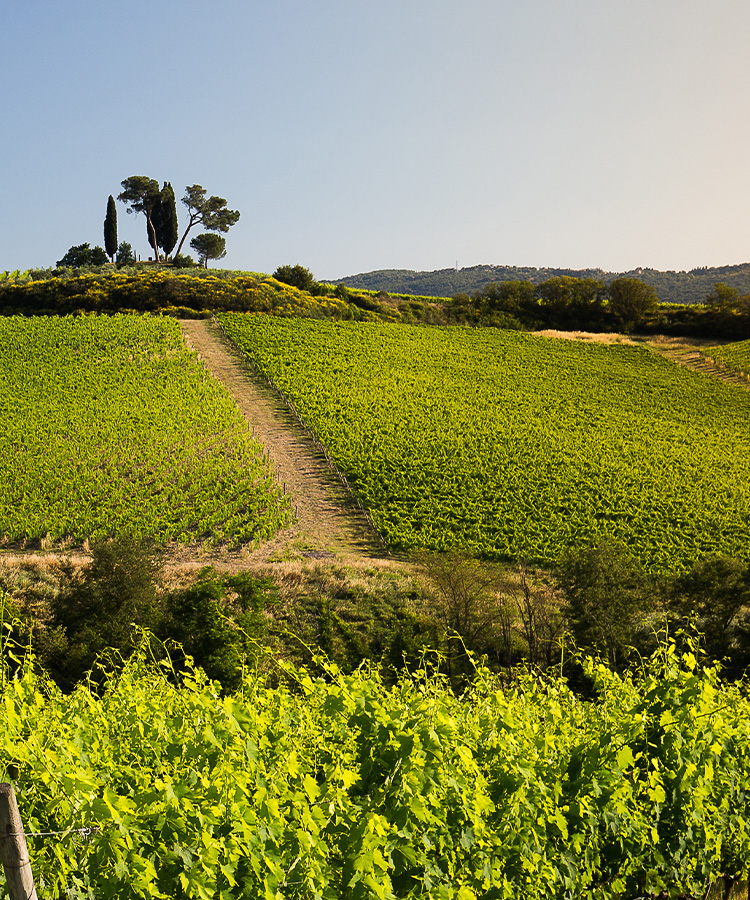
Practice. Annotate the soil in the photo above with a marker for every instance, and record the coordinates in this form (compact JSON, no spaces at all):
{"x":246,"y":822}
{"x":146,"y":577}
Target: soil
{"x":328,"y":523}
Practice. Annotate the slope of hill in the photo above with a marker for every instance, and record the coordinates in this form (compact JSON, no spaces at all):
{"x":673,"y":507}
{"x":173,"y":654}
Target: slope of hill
{"x":110,"y":427}
{"x":672,"y":287}
{"x":510,"y":445}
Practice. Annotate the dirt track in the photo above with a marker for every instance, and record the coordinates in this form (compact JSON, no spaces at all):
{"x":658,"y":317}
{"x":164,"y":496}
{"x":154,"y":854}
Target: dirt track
{"x":328,"y":524}
{"x":684,"y":351}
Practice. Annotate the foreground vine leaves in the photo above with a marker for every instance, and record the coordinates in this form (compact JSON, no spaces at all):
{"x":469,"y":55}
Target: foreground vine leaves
{"x":341,"y":786}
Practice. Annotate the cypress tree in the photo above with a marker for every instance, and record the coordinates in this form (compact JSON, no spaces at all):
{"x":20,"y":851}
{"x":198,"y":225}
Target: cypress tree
{"x":110,"y":229}
{"x":168,"y":219}
{"x":164,"y":219}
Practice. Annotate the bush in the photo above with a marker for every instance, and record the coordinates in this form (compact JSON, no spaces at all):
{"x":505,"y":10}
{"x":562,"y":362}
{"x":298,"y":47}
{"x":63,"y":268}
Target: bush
{"x":297,"y":276}
{"x":97,"y":606}
{"x":183,"y":261}
{"x":219,"y":622}
{"x":83,"y":255}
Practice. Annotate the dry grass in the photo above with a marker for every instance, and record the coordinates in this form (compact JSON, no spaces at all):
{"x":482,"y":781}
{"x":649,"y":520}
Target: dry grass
{"x":592,"y":337}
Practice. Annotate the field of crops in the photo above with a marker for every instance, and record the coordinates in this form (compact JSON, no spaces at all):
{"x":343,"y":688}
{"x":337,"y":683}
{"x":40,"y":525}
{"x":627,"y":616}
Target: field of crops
{"x":109,"y":426}
{"x":515,"y":445}
{"x":341,"y":787}
{"x":734,"y":356}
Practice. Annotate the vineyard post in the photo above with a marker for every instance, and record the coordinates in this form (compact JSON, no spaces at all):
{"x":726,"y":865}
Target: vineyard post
{"x":13,"y":851}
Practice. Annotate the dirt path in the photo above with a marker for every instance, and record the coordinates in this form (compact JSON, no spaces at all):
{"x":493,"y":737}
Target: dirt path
{"x":687,"y":352}
{"x":328,"y":523}
{"x":684,"y":351}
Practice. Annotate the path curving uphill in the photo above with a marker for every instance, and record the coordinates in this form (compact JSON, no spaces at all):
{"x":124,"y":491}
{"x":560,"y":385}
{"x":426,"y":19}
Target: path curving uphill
{"x":328,"y":523}
{"x":687,"y":352}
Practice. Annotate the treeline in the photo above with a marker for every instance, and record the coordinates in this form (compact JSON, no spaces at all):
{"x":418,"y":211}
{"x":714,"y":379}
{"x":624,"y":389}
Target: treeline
{"x":562,"y":302}
{"x":670,"y":286}
{"x":588,"y":304}
{"x":80,"y":620}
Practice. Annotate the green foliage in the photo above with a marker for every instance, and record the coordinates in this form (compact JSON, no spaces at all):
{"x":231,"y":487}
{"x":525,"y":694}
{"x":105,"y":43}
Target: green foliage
{"x":164,"y":218}
{"x":143,"y":195}
{"x":632,"y":302}
{"x":210,"y":212}
{"x":723,"y":296}
{"x":111,"y":427}
{"x":170,"y":290}
{"x":125,"y":254}
{"x":82,"y":255}
{"x":219,"y":622}
{"x":608,"y":598}
{"x":183,"y":262}
{"x":344,"y":787}
{"x":672,"y":287}
{"x":96,"y":608}
{"x":110,"y":228}
{"x":209,"y":246}
{"x":571,"y":302}
{"x":714,"y":598}
{"x":298,"y":276}
{"x":510,"y":445}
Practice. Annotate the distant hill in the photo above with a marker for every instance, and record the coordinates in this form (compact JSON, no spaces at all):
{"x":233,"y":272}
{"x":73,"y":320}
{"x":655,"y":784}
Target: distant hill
{"x":672,"y":287}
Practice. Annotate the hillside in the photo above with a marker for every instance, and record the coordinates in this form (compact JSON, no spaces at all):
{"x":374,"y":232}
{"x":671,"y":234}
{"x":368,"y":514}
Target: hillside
{"x":510,"y":445}
{"x":672,"y":287}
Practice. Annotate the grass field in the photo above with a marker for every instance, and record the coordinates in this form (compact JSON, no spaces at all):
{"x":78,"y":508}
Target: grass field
{"x":509,"y":444}
{"x":109,"y":426}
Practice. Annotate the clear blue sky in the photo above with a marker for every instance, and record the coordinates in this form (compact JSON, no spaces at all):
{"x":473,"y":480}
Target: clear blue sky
{"x":414,"y":134}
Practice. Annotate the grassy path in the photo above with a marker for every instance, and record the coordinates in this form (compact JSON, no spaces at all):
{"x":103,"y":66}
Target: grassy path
{"x":328,"y":523}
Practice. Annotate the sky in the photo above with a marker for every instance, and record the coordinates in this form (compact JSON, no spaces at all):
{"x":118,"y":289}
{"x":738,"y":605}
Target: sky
{"x":355,"y":135}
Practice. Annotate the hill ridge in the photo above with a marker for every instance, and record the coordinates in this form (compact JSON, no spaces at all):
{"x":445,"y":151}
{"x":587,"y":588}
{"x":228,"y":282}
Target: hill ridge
{"x":672,"y":287}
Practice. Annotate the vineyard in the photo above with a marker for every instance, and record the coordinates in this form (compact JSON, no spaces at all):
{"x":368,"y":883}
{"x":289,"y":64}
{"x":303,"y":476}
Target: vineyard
{"x":343,"y":787}
{"x":512,"y":445}
{"x":111,"y":427}
{"x":735,"y":357}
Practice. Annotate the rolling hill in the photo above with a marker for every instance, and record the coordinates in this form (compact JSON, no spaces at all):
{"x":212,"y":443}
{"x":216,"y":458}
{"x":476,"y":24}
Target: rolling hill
{"x":672,"y":287}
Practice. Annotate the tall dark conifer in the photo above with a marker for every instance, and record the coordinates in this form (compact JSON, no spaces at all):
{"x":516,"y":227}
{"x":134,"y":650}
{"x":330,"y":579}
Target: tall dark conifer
{"x":168,"y":219}
{"x":164,"y":219}
{"x":110,"y":229}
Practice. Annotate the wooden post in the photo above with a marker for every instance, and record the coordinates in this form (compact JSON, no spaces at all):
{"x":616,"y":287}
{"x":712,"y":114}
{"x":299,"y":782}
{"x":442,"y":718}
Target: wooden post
{"x":14,"y":854}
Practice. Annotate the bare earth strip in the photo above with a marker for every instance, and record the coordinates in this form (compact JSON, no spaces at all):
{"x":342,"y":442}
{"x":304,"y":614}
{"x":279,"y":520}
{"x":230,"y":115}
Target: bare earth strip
{"x":686,"y":352}
{"x":328,"y":523}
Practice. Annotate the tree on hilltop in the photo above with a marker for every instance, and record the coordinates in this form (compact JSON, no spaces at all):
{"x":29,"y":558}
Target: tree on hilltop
{"x":110,"y":229}
{"x":82,"y":255}
{"x":210,"y":212}
{"x":297,"y":276}
{"x":209,"y":246}
{"x":143,"y":194}
{"x":164,"y":218}
{"x":125,"y":254}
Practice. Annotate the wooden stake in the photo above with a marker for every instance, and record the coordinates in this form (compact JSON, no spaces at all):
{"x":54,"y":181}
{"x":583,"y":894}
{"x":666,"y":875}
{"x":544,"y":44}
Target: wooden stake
{"x":13,"y":851}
